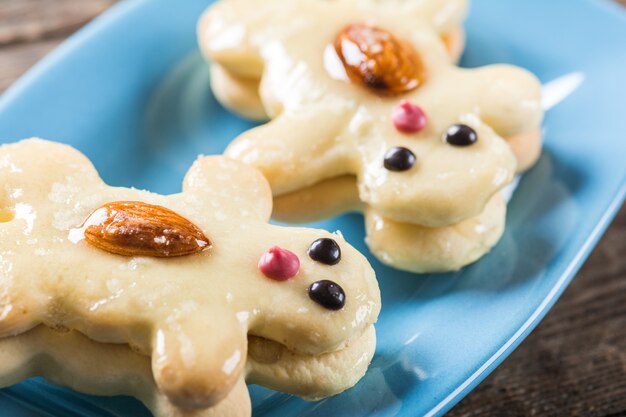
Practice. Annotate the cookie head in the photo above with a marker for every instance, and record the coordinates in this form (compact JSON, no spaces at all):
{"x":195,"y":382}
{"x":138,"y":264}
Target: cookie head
{"x":318,"y":291}
{"x":440,"y":175}
{"x":316,"y":323}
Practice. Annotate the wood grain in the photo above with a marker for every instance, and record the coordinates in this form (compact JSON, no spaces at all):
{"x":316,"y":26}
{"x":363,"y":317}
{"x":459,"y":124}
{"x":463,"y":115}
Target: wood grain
{"x":16,"y":59}
{"x":573,"y":364}
{"x":34,"y":20}
{"x":29,"y":29}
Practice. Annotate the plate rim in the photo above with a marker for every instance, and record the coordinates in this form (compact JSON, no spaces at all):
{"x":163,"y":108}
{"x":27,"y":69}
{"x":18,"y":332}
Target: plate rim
{"x":570,"y":270}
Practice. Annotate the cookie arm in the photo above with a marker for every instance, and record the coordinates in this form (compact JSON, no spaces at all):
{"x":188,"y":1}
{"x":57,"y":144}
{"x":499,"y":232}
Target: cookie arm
{"x":239,"y":95}
{"x":510,"y":99}
{"x":224,"y":34}
{"x":297,"y":150}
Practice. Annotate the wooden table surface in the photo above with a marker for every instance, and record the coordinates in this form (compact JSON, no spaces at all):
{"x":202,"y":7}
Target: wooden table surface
{"x":573,"y":364}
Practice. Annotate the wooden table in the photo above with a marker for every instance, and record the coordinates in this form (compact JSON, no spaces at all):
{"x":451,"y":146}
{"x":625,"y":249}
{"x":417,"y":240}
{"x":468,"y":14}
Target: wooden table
{"x":573,"y":364}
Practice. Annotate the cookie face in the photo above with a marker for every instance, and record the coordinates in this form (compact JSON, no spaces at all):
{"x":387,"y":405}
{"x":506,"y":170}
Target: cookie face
{"x":339,"y":107}
{"x":190,"y":313}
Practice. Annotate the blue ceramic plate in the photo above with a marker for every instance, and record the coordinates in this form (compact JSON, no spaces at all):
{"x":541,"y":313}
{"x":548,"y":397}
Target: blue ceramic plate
{"x":132,"y":93}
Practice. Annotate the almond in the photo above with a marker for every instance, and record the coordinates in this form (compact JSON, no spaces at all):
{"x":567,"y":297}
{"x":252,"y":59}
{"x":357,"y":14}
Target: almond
{"x":375,"y":58}
{"x":132,"y":228}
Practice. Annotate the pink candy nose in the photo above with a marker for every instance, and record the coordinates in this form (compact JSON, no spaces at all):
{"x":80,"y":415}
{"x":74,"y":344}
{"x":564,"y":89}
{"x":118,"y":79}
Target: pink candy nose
{"x":279,"y":264}
{"x":409,"y":118}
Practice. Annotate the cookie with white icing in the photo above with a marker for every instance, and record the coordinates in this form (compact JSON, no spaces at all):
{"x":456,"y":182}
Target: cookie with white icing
{"x":72,"y":360}
{"x":375,"y":97}
{"x":236,"y":83}
{"x":183,"y":279}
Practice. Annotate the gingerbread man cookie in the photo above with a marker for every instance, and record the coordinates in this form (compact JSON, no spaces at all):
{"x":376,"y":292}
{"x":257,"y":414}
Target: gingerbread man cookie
{"x":371,"y":101}
{"x":183,"y":279}
{"x":236,"y":84}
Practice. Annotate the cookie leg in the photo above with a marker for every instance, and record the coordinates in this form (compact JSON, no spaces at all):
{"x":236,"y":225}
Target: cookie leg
{"x":320,"y":201}
{"x":235,"y":49}
{"x":297,"y":150}
{"x":421,"y":249}
{"x":511,"y":104}
{"x":455,"y":43}
{"x":239,"y":95}
{"x":527,"y":148}
{"x":236,"y":404}
{"x":72,"y":360}
{"x":198,"y":370}
{"x":510,"y":98}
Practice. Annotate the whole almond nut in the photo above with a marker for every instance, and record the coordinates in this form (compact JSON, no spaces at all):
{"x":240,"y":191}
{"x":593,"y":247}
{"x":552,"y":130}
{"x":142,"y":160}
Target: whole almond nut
{"x":378,"y":60}
{"x":133,"y":228}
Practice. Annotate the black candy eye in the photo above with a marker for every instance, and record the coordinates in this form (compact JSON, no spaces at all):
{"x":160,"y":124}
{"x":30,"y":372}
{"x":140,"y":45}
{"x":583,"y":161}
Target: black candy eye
{"x":399,"y":159}
{"x":326,"y":251}
{"x":460,"y":135}
{"x":328,"y":294}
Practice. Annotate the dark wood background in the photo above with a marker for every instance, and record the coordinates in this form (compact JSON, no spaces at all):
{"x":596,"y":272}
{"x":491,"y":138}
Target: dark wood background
{"x":573,"y":364}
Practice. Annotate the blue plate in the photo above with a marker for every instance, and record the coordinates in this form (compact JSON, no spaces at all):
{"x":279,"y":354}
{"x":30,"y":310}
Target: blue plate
{"x":132,"y":93}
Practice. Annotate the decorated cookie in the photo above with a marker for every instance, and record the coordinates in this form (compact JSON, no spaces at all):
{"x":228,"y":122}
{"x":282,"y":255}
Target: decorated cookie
{"x":183,"y":279}
{"x":373,"y":98}
{"x":235,"y":77}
